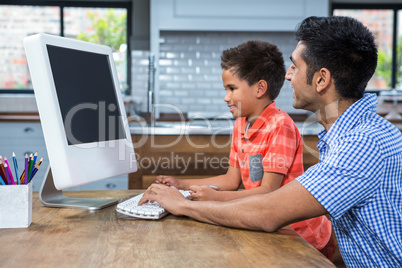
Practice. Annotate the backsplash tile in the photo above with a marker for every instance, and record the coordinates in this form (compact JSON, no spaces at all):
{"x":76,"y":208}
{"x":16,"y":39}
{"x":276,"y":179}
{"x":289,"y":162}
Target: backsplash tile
{"x":18,"y":102}
{"x":190,"y":72}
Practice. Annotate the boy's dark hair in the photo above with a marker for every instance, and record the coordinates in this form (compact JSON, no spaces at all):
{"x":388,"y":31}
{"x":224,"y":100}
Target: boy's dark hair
{"x":344,"y":46}
{"x":254,"y":61}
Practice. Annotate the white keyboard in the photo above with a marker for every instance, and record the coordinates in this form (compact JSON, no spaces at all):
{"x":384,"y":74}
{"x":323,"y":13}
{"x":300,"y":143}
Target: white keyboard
{"x":152,"y":211}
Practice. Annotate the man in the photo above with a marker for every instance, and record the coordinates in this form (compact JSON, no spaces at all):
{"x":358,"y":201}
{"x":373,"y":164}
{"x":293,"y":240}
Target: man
{"x":358,"y":179}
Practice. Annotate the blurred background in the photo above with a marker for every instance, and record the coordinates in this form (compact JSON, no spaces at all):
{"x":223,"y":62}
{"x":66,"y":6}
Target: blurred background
{"x":184,"y":40}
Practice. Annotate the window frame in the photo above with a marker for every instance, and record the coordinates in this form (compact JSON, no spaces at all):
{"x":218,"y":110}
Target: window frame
{"x":127,"y":4}
{"x":395,"y":8}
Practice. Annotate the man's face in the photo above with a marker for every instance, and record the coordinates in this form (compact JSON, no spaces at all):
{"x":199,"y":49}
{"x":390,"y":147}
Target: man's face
{"x":304,"y":95}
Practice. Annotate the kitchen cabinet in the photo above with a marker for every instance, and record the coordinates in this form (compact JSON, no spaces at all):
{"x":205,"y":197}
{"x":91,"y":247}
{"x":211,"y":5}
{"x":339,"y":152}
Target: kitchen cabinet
{"x":191,"y":156}
{"x":233,"y":15}
{"x":182,"y":156}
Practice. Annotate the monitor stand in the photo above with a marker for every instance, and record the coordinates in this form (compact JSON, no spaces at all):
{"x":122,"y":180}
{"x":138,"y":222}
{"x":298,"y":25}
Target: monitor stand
{"x":51,"y":197}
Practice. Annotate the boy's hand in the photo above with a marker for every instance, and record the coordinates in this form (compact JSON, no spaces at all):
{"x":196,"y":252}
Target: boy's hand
{"x":168,"y":180}
{"x":203,"y":192}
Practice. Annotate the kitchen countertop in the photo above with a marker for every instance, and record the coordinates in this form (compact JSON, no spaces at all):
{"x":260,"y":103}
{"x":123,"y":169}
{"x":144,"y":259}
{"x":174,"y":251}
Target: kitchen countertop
{"x":205,"y":127}
{"x":19,"y":117}
{"x":215,"y":127}
{"x":191,"y":127}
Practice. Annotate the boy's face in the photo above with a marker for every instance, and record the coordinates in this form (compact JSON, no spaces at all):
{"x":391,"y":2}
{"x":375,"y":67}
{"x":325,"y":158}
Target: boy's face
{"x":240,"y":96}
{"x":303,"y":94}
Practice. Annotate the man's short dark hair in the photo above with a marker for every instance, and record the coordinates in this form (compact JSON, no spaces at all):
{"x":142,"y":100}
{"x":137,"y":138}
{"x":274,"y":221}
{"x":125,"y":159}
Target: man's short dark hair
{"x":254,"y":61}
{"x":344,"y":46}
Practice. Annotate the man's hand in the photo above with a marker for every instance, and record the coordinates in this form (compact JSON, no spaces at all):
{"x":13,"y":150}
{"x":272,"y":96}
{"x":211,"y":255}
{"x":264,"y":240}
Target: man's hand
{"x":168,"y":197}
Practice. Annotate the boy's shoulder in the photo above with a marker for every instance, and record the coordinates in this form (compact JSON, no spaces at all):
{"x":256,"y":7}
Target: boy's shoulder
{"x":279,"y":117}
{"x":276,"y":119}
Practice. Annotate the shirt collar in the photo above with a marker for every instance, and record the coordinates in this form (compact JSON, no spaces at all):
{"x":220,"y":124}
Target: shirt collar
{"x":259,"y":123}
{"x":349,"y":117}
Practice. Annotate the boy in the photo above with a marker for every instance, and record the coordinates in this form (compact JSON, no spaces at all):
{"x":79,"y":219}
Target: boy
{"x":266,"y":151}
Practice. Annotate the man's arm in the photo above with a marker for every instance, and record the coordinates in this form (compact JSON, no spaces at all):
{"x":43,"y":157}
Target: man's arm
{"x":266,"y":212}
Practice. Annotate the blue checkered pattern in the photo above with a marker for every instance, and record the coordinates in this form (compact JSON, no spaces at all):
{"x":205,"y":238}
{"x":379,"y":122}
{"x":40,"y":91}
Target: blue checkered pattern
{"x":359,"y":181}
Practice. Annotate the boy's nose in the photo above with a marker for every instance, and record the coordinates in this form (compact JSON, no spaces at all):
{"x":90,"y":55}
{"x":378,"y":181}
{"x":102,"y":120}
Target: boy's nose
{"x":226,"y":98}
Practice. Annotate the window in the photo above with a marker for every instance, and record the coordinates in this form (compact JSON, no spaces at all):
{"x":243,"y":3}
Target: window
{"x":385,"y":22}
{"x":103,"y":22}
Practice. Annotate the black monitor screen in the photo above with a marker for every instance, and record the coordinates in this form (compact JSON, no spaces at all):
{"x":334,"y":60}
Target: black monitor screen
{"x":86,"y":94}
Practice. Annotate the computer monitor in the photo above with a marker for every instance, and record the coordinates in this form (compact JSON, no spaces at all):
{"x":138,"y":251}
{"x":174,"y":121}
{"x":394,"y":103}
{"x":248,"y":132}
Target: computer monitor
{"x":82,"y":115}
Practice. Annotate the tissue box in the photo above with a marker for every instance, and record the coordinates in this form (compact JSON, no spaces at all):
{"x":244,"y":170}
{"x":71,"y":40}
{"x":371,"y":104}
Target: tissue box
{"x":15,"y":206}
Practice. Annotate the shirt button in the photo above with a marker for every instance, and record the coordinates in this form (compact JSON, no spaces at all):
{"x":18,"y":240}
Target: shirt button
{"x":245,"y":139}
{"x":242,"y":163}
{"x":242,"y":150}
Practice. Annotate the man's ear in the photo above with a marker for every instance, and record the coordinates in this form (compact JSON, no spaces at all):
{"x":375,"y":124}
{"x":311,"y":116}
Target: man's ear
{"x":262,"y":88}
{"x":323,"y":79}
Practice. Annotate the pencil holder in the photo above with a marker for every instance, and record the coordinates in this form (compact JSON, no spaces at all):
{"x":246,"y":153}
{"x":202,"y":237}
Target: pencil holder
{"x":15,"y":206}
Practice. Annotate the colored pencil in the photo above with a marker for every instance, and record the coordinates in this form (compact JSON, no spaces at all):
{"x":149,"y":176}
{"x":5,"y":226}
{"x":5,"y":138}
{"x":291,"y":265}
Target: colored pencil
{"x":36,"y":168}
{"x":2,"y":181}
{"x":33,"y":173}
{"x":2,"y":170}
{"x":16,"y":168}
{"x":33,"y":165}
{"x":22,"y":177}
{"x":9,"y":171}
{"x":26,"y":167}
{"x":7,"y":175}
{"x":28,"y":175}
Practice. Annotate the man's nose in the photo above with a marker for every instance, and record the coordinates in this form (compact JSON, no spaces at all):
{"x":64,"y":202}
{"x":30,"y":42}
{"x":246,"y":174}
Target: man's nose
{"x":288,"y":75}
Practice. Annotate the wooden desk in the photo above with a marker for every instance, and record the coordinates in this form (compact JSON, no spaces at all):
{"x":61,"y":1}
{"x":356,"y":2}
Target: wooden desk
{"x":79,"y":238}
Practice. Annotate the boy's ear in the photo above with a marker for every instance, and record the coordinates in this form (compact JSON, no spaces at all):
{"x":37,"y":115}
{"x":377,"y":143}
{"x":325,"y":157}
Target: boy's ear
{"x":323,"y":80}
{"x":262,"y":88}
